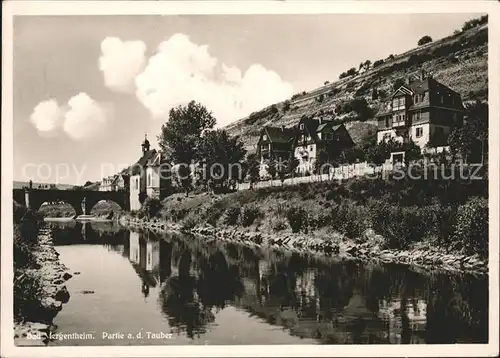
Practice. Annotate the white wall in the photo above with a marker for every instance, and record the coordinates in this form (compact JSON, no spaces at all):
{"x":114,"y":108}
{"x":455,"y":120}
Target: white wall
{"x":305,"y":164}
{"x":424,"y":139}
{"x":134,"y":247}
{"x":389,"y":132}
{"x":152,"y":181}
{"x":135,"y":189}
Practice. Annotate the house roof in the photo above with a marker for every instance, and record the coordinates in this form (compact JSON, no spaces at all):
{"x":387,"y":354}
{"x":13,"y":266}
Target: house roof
{"x":143,"y":161}
{"x":278,"y":134}
{"x":328,"y":124}
{"x":420,"y":86}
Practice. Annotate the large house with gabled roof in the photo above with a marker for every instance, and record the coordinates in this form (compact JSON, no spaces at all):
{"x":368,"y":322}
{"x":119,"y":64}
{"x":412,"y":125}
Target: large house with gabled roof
{"x":315,"y":136}
{"x":422,"y":110}
{"x":304,"y":142}
{"x":275,"y":143}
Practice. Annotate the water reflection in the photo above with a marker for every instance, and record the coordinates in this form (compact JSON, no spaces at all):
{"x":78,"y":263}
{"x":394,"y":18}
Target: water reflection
{"x":334,"y":303}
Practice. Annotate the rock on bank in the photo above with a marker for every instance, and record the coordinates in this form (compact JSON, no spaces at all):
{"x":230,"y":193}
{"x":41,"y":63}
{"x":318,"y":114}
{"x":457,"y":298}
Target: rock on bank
{"x":53,"y":294}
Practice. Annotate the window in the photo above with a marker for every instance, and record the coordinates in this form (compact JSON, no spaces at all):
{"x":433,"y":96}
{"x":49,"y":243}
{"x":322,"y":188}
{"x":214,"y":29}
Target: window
{"x":264,"y":137}
{"x":137,"y":183}
{"x":417,"y":116}
{"x":419,"y":131}
{"x":301,"y":126}
{"x":149,"y":179}
{"x":387,"y":121}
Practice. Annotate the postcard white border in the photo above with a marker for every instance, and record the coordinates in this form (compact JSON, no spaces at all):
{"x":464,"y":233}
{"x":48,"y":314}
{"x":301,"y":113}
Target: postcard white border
{"x":12,"y":8}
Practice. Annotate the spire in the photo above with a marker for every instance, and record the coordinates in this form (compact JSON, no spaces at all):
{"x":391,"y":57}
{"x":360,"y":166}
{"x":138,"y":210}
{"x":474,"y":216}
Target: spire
{"x":145,"y":145}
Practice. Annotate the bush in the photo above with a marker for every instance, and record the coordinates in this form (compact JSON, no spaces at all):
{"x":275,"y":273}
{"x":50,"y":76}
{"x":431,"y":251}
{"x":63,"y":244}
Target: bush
{"x":188,"y":223}
{"x":178,"y":214}
{"x":279,"y":225}
{"x":18,"y":212}
{"x":214,"y":212}
{"x":348,"y":219}
{"x":471,"y":229}
{"x":440,"y":221}
{"x":297,"y":219}
{"x":232,"y":215}
{"x":23,"y":251}
{"x":27,"y":290}
{"x":424,"y":40}
{"x":151,"y":207}
{"x":400,"y":226}
{"x":249,"y":214}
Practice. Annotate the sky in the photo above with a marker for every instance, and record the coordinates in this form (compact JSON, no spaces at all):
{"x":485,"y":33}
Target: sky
{"x":88,"y":88}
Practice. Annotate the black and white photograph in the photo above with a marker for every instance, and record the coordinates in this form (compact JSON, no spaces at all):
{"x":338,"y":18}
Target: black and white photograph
{"x":316,"y":181}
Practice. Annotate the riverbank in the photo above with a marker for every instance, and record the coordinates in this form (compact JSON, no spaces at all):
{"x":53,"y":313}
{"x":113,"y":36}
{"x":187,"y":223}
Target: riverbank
{"x":333,"y":245}
{"x":39,"y":284}
{"x":430,"y":223}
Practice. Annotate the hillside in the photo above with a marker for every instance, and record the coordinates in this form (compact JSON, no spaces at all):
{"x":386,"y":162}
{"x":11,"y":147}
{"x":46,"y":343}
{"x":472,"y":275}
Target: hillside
{"x":459,"y":61}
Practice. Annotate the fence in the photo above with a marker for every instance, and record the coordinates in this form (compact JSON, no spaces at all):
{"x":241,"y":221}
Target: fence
{"x":342,"y":172}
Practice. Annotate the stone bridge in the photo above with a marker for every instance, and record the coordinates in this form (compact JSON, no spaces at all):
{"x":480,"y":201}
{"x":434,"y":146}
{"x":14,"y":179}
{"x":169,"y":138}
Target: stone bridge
{"x":81,"y":200}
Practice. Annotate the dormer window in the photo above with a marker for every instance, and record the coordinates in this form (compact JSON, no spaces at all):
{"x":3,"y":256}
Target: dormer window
{"x":264,"y":137}
{"x":301,"y":126}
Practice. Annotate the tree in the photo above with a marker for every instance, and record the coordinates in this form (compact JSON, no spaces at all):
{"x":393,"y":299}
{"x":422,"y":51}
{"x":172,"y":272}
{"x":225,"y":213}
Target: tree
{"x":251,"y":167}
{"x":397,"y":84}
{"x":87,"y":183}
{"x":272,"y":169}
{"x":180,"y":137}
{"x":378,"y":63}
{"x":327,"y":82}
{"x":293,"y":164}
{"x":471,"y":140}
{"x":351,"y":155}
{"x":351,"y":71}
{"x":221,"y":155}
{"x":424,"y":40}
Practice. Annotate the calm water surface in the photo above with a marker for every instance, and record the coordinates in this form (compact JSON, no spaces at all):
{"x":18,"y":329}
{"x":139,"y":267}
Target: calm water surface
{"x":186,"y":291}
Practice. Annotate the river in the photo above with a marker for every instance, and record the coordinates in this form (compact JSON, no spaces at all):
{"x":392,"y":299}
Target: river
{"x":141,"y":288}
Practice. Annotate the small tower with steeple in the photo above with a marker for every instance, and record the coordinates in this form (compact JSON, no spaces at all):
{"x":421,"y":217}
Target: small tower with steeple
{"x":145,"y":145}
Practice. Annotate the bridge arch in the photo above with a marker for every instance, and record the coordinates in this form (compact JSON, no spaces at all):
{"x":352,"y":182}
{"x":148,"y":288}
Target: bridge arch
{"x":103,"y":207}
{"x":56,"y":209}
{"x":81,"y":200}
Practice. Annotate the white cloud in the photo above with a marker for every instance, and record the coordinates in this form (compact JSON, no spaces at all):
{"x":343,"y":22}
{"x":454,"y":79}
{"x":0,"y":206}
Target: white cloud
{"x":182,"y":71}
{"x":120,"y":62}
{"x":81,"y":118}
{"x":85,"y":118}
{"x":47,"y":116}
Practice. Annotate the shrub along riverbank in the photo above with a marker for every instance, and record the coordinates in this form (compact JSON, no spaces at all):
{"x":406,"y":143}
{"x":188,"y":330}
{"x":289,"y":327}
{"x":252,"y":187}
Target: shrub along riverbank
{"x":427,"y":222}
{"x":39,"y":278}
